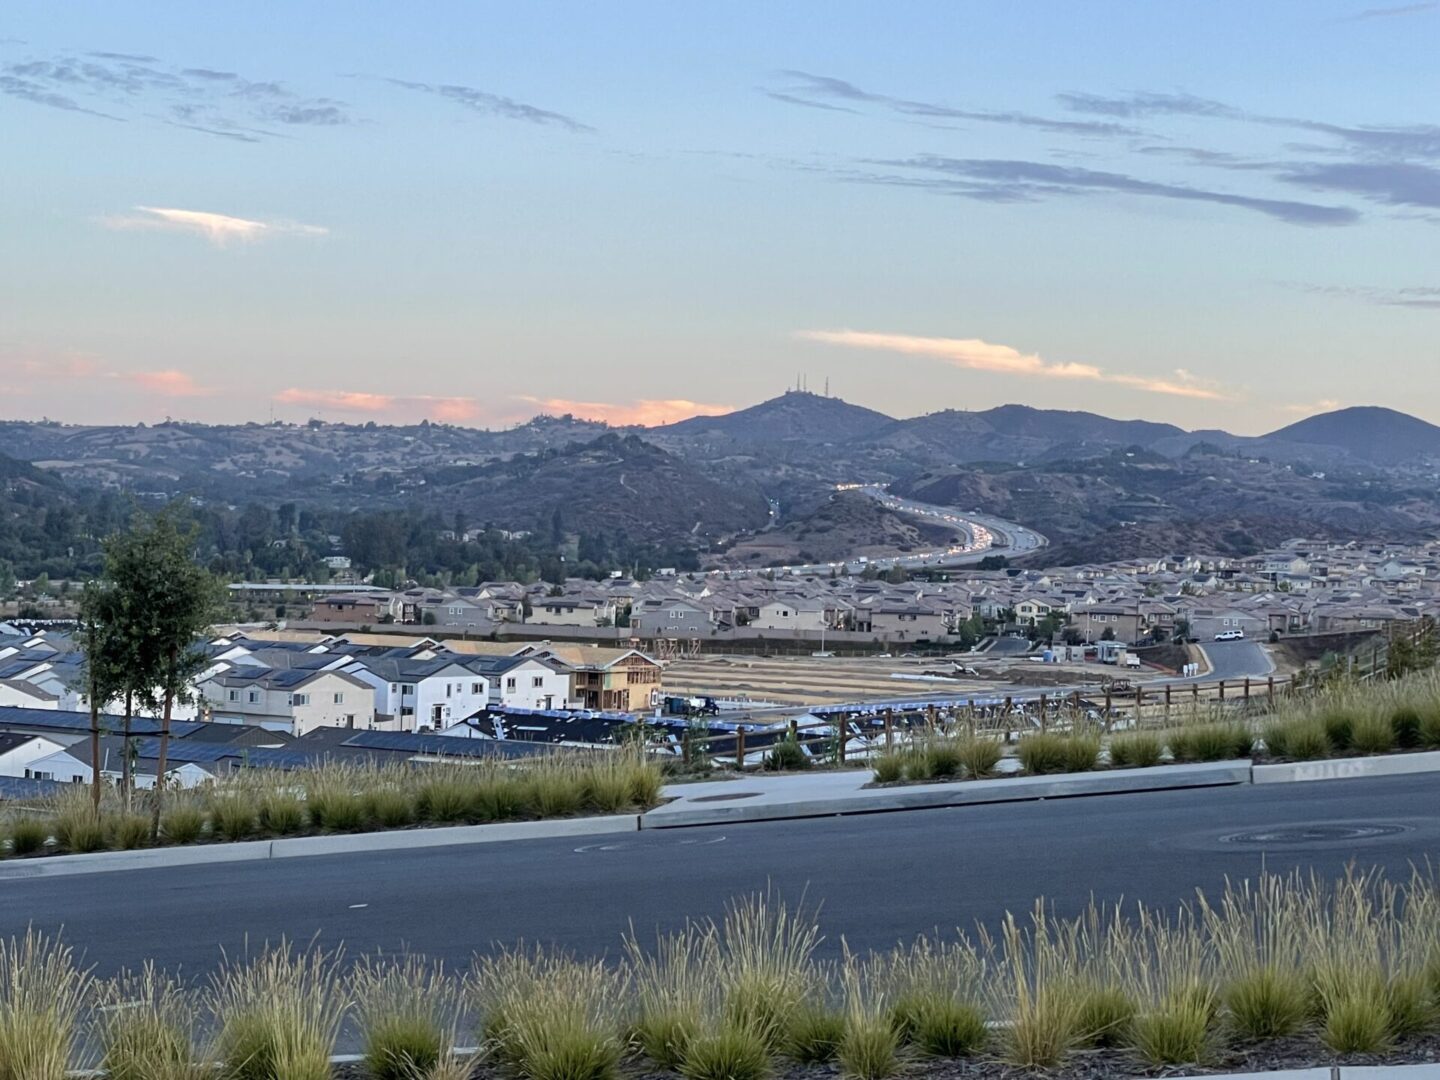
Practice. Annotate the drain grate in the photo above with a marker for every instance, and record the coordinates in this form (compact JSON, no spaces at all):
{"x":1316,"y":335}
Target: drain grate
{"x":1290,"y":835}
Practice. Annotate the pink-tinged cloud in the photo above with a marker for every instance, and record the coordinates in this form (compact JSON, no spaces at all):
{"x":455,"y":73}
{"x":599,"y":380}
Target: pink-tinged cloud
{"x":344,"y":400}
{"x":974,"y":354}
{"x":219,"y":229}
{"x":643,"y":413}
{"x":449,"y":410}
{"x":50,"y":367}
{"x":170,"y":383}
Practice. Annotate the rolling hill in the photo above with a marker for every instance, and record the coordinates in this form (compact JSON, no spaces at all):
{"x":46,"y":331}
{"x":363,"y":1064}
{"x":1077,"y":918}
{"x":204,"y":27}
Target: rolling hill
{"x":1366,"y":432}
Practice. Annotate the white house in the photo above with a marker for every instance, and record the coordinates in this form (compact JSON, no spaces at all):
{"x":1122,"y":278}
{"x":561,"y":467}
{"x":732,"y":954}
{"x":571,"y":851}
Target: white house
{"x":19,"y":752}
{"x":71,"y":765}
{"x":521,"y":682}
{"x":414,"y":694}
{"x":790,"y":613}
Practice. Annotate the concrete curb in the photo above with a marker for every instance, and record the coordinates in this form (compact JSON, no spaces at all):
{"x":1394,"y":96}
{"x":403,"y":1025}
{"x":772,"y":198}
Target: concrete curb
{"x":1348,"y":768}
{"x":300,"y":846}
{"x":769,"y":807}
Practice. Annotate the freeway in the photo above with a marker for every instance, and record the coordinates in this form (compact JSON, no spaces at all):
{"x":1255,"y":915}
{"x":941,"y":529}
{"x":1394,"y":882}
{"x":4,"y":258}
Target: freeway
{"x":879,"y":878}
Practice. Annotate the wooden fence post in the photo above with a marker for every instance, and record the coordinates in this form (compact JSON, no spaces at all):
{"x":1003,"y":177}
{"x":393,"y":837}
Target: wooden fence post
{"x":740,"y":748}
{"x":1222,"y":689}
{"x":842,"y":735}
{"x":1247,"y":690}
{"x":1139,"y":703}
{"x":1270,"y":689}
{"x":1042,"y":712}
{"x":794,"y":730}
{"x":1168,"y":688}
{"x":889,"y":730}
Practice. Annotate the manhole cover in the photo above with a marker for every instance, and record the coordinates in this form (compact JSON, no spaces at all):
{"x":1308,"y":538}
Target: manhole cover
{"x":1314,"y":834}
{"x":729,"y":796}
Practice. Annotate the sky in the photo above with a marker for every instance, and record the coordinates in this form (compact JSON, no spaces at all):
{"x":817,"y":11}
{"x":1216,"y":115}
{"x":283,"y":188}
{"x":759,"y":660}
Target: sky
{"x":1217,"y":214}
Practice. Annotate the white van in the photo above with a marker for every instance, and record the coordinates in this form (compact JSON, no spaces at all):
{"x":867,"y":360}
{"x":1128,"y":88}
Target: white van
{"x":1230,"y":635}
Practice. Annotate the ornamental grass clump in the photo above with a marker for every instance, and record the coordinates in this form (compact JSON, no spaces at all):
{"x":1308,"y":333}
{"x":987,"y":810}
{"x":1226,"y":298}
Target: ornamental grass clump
{"x":765,"y":953}
{"x":407,"y":1011}
{"x":787,"y":755}
{"x":980,"y":754}
{"x":1371,"y":732}
{"x":1040,"y":1015}
{"x":28,"y":835}
{"x":1218,"y":741}
{"x":281,"y":813}
{"x":143,"y":1029}
{"x":1172,"y":982}
{"x":553,"y":788}
{"x":388,"y":805}
{"x":675,"y":991}
{"x":78,"y":827}
{"x":1297,"y":738}
{"x":1257,"y":932}
{"x":278,"y":1015}
{"x":232,"y":816}
{"x":814,"y":1033}
{"x":935,"y":994}
{"x":1345,"y":940}
{"x":1135,"y":750}
{"x":182,"y":823}
{"x":727,"y":1050}
{"x":332,"y":801}
{"x":41,"y":995}
{"x":889,"y":767}
{"x":870,"y":1046}
{"x":130,"y":831}
{"x":549,"y":1016}
{"x":1102,"y":953}
{"x":1043,"y":752}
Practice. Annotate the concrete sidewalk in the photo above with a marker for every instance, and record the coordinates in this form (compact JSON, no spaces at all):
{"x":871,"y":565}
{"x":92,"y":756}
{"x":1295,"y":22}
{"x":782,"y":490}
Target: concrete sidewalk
{"x":823,"y":794}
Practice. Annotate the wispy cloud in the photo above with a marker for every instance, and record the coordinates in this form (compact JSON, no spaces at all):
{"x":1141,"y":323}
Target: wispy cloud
{"x":811,"y":90}
{"x":1392,"y":12}
{"x":1310,"y":408}
{"x":1023,"y":181}
{"x":642,"y":413}
{"x":973,"y":354}
{"x":1415,"y":296}
{"x":119,"y":85}
{"x":490,"y":104}
{"x":219,"y":229}
{"x":450,"y":410}
{"x":1393,"y":183}
{"x":169,"y":383}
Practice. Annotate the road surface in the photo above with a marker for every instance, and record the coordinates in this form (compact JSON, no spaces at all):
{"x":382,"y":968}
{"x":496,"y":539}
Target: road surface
{"x":881,"y":878}
{"x":1236,"y":660}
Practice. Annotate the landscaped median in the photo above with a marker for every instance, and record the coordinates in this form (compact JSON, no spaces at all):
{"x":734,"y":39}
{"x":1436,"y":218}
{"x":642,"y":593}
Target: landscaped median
{"x":272,"y":814}
{"x":1276,"y":972}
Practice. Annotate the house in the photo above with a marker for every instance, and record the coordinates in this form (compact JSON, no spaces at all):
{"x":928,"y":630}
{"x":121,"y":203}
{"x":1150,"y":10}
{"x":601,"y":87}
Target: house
{"x":1120,"y":621}
{"x":1206,"y":622}
{"x":412,"y":694}
{"x":355,"y":609}
{"x":899,"y":621}
{"x":1032,"y":610}
{"x":520,"y":682}
{"x":295,"y":700}
{"x":670,"y":616}
{"x":616,"y":680}
{"x":72,"y":765}
{"x":19,"y":751}
{"x":790,"y":613}
{"x":26,"y":695}
{"x":573,"y":611}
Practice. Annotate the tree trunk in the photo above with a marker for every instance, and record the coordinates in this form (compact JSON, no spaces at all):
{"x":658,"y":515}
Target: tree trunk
{"x":164,"y":741}
{"x":94,"y":746}
{"x":125,"y":777}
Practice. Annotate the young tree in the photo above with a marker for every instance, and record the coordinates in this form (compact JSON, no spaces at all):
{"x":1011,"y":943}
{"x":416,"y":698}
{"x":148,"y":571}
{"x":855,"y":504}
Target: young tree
{"x":164,"y":603}
{"x":102,"y":642}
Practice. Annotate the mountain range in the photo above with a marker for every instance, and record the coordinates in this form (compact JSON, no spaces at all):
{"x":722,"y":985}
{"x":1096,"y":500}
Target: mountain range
{"x":1096,"y":485}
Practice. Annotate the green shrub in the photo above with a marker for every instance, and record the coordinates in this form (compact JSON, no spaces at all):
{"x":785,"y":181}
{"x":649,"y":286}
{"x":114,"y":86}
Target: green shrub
{"x":1339,"y":724}
{"x":889,"y":767}
{"x":389,"y":807}
{"x":281,"y":813}
{"x":1044,"y":752}
{"x":870,"y":1048}
{"x":1104,"y":1016}
{"x":1267,"y":1003}
{"x":1176,"y":1031}
{"x":1211,"y":742}
{"x":1356,"y":1023}
{"x":1405,"y":723}
{"x":814,"y":1033}
{"x":445,"y":797}
{"x":78,"y":829}
{"x":183,"y":823}
{"x":500,"y":798}
{"x":131,"y":831}
{"x":41,"y":994}
{"x":980,"y":755}
{"x":942,"y":758}
{"x":787,"y":755}
{"x":1297,"y":739}
{"x":1371,"y":733}
{"x":1135,"y":750}
{"x":551,"y":793}
{"x":944,"y":1027}
{"x":28,"y":835}
{"x":1082,"y":752}
{"x":730,"y":1052}
{"x":232,"y":816}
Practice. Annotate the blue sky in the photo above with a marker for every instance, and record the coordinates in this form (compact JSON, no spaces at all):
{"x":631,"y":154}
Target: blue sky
{"x":1221,"y":214}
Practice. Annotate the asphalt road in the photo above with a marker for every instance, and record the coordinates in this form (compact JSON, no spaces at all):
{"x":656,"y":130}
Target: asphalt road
{"x":880,"y":878}
{"x":1236,"y":660}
